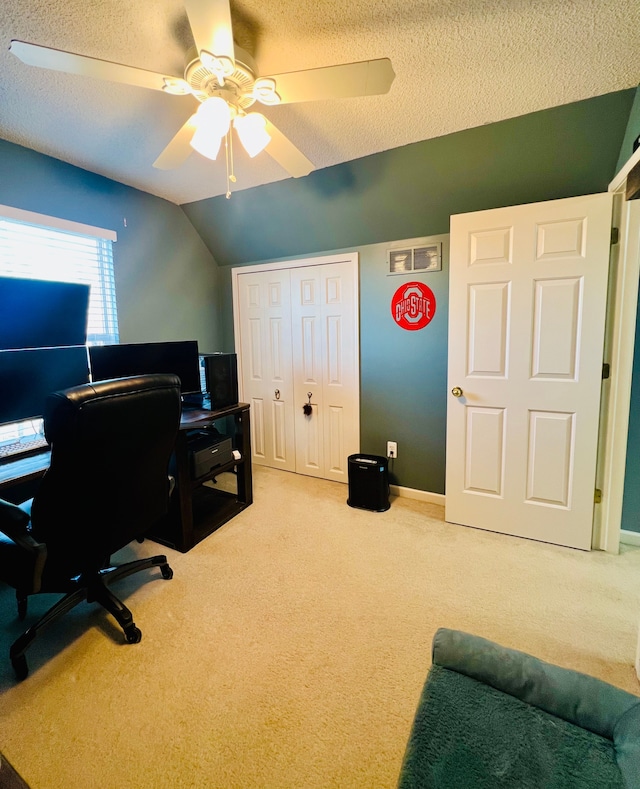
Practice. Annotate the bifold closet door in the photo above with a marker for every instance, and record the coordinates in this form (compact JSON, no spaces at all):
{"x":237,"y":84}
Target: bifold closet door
{"x":298,"y":345}
{"x":325,"y":369}
{"x":266,"y":364}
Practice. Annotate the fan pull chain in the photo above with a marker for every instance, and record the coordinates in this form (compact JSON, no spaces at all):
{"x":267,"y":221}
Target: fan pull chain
{"x":228,"y":146}
{"x":226,"y":159}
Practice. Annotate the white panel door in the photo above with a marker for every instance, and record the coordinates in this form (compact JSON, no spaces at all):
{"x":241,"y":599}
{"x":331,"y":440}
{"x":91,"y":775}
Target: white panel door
{"x":267,"y":379}
{"x":528,"y":290}
{"x":324,"y":340}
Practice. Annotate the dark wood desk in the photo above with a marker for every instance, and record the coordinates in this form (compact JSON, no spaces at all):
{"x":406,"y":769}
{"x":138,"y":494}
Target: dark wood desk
{"x":196,"y":509}
{"x":22,"y":470}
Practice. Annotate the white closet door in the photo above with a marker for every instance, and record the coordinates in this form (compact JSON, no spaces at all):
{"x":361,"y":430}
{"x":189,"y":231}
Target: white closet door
{"x":296,"y":328}
{"x":324,"y":341}
{"x":266,"y":364}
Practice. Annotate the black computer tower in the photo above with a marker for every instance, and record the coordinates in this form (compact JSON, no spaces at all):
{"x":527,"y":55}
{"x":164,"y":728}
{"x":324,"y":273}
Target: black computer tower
{"x":221,"y":378}
{"x":368,"y":482}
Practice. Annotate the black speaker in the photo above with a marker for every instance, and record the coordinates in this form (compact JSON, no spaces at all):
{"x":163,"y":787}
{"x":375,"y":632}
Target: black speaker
{"x":221,"y":378}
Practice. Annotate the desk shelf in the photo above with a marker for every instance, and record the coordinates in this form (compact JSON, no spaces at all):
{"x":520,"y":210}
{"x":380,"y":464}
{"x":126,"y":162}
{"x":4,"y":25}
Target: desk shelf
{"x":212,"y":508}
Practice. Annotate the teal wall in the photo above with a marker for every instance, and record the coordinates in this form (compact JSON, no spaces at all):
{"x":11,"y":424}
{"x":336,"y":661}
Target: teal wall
{"x":404,"y":373}
{"x":631,"y":500}
{"x":410,"y":193}
{"x":166,"y":278}
{"x":631,"y":133}
{"x":169,"y":286}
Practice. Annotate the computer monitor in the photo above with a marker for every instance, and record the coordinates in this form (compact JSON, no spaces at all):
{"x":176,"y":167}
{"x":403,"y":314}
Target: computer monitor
{"x":38,"y":313}
{"x":120,"y":361}
{"x":28,"y":376}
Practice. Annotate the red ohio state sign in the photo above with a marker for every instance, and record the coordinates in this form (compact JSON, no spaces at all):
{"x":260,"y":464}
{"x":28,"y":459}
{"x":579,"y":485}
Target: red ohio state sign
{"x":413,"y":306}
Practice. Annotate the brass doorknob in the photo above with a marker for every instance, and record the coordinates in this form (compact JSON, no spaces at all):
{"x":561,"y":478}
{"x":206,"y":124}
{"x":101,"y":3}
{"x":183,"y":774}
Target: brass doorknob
{"x":456,"y":391}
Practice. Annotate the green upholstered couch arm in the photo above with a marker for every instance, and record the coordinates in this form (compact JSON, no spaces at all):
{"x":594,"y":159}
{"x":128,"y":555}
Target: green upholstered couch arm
{"x":472,"y":671}
{"x":577,"y":698}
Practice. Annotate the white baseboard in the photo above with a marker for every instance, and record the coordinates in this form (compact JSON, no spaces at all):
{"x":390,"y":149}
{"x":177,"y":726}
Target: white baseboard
{"x":626,"y":537}
{"x":420,"y":495}
{"x":630,"y":537}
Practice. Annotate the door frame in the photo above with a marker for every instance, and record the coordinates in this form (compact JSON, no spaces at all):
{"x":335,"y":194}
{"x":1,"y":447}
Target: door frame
{"x":620,"y":338}
{"x":348,"y":257}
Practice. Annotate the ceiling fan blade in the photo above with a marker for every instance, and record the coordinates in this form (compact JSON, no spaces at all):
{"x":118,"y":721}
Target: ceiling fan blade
{"x":210,"y":22}
{"x":283,"y":151}
{"x":179,"y":149}
{"x":365,"y":78}
{"x":70,"y":63}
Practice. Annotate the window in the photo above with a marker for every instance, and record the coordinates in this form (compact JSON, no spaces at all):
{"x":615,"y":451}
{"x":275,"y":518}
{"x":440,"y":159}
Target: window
{"x":66,"y":252}
{"x":40,"y":247}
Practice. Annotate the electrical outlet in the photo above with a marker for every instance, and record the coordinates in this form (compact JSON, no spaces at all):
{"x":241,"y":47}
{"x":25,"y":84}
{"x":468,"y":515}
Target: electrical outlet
{"x":392,"y":449}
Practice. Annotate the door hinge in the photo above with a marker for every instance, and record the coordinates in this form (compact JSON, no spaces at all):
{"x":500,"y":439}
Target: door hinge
{"x":597,"y":497}
{"x":606,"y":370}
{"x":615,"y":235}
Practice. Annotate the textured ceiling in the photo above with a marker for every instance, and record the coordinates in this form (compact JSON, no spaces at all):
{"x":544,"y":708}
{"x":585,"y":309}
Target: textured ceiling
{"x":458,"y":64}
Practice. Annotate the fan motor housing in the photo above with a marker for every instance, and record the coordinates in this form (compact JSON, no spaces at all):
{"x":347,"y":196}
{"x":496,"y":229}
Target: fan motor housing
{"x":237,"y":87}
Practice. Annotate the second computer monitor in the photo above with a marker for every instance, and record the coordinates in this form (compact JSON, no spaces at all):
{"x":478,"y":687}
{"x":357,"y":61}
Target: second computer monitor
{"x":121,"y":361}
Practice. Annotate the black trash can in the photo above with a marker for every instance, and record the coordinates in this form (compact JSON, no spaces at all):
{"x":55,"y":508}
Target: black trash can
{"x":368,"y":482}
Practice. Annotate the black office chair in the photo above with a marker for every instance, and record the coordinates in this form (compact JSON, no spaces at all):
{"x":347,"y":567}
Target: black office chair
{"x":106,"y":486}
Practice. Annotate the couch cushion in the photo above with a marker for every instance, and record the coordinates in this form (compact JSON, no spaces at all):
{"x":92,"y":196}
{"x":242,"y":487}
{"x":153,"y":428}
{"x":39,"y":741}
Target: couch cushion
{"x":468,"y":735}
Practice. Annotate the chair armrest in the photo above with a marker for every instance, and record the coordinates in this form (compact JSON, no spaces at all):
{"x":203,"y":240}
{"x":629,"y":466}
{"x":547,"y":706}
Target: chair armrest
{"x":14,"y":522}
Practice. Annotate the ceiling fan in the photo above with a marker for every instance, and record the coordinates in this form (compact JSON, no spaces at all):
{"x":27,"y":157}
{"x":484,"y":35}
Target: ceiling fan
{"x":224,"y":80}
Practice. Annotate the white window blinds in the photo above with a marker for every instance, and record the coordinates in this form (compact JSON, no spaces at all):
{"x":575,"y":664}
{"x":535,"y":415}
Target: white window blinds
{"x":39,"y":251}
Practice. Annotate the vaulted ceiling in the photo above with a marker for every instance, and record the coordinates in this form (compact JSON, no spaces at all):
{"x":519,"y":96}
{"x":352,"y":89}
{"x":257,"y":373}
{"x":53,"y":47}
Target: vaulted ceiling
{"x":458,"y":64}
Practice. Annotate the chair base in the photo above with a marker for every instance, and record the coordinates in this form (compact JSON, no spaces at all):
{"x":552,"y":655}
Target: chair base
{"x":92,"y":588}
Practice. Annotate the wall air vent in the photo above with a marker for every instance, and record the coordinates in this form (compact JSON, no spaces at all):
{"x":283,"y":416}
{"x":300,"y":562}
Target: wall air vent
{"x":400,"y":261}
{"x":418,"y":259}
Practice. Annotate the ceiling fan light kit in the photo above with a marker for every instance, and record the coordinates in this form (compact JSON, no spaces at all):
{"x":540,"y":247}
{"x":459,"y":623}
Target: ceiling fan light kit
{"x":223,"y":78}
{"x":252,"y":131}
{"x":214,"y":116}
{"x":209,"y":133}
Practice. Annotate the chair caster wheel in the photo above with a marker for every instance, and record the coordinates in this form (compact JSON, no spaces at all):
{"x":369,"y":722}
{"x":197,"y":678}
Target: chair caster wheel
{"x":20,"y":667}
{"x":133,"y":634}
{"x":167,"y":572}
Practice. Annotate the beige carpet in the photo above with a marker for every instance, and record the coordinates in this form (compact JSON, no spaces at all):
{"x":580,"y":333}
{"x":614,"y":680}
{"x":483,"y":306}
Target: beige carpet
{"x":291,"y":646}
